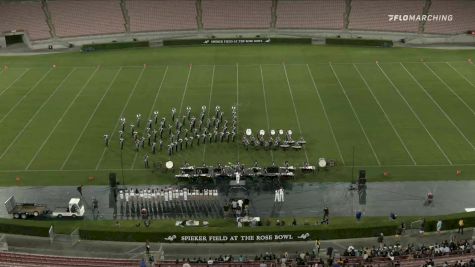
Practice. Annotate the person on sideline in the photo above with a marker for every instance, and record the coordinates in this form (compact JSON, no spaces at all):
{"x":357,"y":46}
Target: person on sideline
{"x":461,"y":225}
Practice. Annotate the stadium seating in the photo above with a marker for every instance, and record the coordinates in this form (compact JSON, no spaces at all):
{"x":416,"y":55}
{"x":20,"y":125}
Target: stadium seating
{"x":33,"y":260}
{"x":24,"y":259}
{"x":373,"y":15}
{"x":163,"y":15}
{"x":76,"y":18}
{"x":26,"y":16}
{"x":463,"y":14}
{"x":72,"y":18}
{"x":236,"y":14}
{"x":310,"y":14}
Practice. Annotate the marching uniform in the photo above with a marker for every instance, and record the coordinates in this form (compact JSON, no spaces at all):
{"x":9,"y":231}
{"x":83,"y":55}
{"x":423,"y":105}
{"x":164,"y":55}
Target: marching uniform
{"x":145,"y":161}
{"x":154,"y":148}
{"x":138,"y":116}
{"x":155,"y":116}
{"x":106,"y":140}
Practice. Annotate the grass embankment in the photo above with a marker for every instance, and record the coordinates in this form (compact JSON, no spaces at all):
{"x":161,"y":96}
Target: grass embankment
{"x":340,"y":227}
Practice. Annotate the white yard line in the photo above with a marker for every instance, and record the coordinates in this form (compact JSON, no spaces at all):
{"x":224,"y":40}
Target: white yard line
{"x":17,"y":79}
{"x":356,"y":115}
{"x":461,"y":75}
{"x":36,"y":114}
{"x":450,"y":88}
{"x":153,"y":107}
{"x":326,"y":115}
{"x":237,"y":105}
{"x":415,"y":114}
{"x":90,"y":118}
{"x":121,"y":115}
{"x":61,"y":119}
{"x":184,"y":91}
{"x":385,"y":115}
{"x":25,"y":95}
{"x":265,"y":106}
{"x":295,"y":109}
{"x":438,"y":106}
{"x":209,"y":106}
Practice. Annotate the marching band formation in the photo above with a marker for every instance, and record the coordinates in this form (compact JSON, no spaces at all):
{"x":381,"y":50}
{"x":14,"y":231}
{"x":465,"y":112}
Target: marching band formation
{"x":164,"y":202}
{"x":178,"y":133}
{"x":141,"y":196}
{"x":182,"y":132}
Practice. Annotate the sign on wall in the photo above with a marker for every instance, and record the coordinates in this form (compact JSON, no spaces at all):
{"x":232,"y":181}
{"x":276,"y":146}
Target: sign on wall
{"x":238,"y":238}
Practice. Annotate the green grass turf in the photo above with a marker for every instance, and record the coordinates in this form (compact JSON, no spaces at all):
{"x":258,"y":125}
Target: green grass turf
{"x":411,"y":114}
{"x":339,"y":227}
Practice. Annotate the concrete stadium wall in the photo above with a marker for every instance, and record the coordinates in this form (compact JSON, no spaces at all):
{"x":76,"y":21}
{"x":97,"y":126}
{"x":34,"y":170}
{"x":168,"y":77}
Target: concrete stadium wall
{"x":3,"y":42}
{"x":409,"y":38}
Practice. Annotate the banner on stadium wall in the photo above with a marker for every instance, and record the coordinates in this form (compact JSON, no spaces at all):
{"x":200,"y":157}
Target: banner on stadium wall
{"x":238,"y":41}
{"x":238,"y":238}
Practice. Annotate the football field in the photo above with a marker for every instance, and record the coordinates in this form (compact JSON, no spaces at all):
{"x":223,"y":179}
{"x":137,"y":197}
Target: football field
{"x":410,"y":117}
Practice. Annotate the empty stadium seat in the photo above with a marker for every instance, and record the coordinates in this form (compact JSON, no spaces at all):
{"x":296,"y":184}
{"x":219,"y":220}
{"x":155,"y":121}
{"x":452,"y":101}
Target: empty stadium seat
{"x":163,"y":15}
{"x":25,"y":259}
{"x":310,"y":14}
{"x":81,"y":18}
{"x":236,"y":14}
{"x":26,"y":16}
{"x":463,"y":16}
{"x":373,"y":15}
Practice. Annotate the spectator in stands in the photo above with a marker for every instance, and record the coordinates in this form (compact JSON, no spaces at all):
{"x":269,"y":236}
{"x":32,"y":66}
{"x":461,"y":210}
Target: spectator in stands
{"x":316,"y":248}
{"x":329,"y":252}
{"x":210,"y":261}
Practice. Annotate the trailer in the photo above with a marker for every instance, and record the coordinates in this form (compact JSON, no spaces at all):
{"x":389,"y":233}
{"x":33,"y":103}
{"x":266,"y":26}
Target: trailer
{"x":25,"y":210}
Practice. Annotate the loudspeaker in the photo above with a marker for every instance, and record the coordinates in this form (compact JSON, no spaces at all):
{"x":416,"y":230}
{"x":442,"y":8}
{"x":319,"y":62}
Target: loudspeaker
{"x":112,"y":180}
{"x":112,"y":198}
{"x":362,"y":181}
{"x":362,"y":174}
{"x":362,"y":178}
